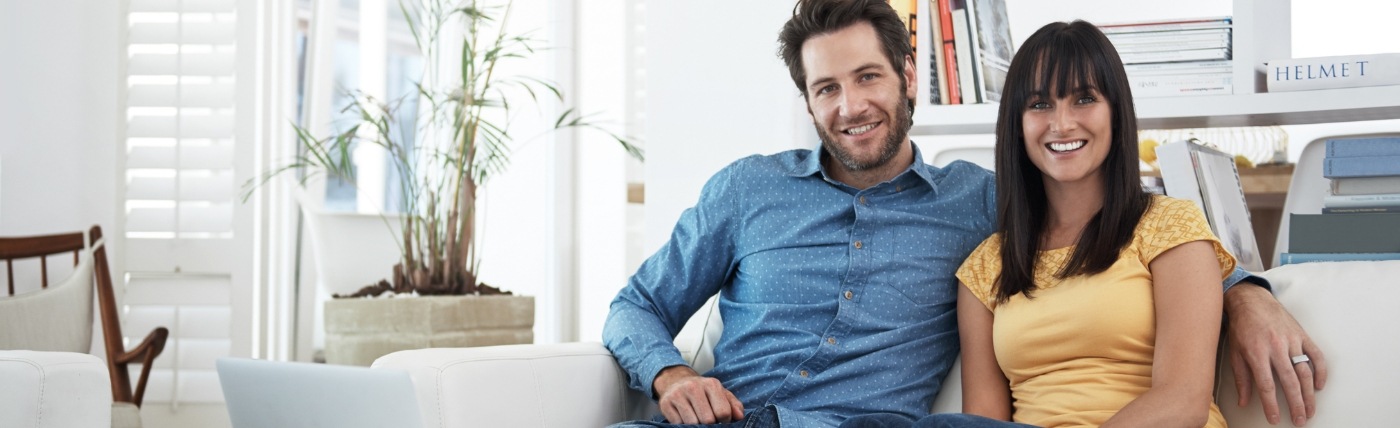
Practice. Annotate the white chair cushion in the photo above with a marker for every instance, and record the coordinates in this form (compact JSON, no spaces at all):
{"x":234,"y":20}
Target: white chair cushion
{"x":54,"y":390}
{"x":1349,"y":310}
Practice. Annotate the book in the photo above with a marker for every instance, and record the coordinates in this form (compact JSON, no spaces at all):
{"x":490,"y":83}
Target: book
{"x":1356,"y":201}
{"x":1365,"y":185}
{"x":1189,"y":67}
{"x":963,"y":38}
{"x":1175,"y":56}
{"x":1167,"y":85}
{"x":1358,"y":147}
{"x":1295,"y":258}
{"x":1168,"y":46}
{"x":1221,"y":34}
{"x":1350,"y":233}
{"x":1332,"y":72}
{"x":1369,"y":166}
{"x":1170,"y":25}
{"x":1360,"y":210}
{"x":948,"y":66}
{"x":1209,"y":178}
{"x":994,"y":47}
{"x":908,"y":11}
{"x":938,"y":75}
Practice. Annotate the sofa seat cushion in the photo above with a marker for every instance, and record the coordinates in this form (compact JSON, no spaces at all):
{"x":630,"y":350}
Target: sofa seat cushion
{"x":54,"y":390}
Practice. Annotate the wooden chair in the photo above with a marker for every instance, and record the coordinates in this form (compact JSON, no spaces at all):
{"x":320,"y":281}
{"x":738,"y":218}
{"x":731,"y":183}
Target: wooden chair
{"x":32,"y":333}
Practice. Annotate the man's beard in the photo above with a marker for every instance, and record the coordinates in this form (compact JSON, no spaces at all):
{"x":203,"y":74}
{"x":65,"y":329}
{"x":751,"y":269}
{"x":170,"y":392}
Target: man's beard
{"x":903,"y":120}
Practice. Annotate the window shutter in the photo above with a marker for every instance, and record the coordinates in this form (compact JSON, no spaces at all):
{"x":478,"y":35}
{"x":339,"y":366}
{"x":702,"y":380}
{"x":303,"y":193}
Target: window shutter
{"x":179,"y":190}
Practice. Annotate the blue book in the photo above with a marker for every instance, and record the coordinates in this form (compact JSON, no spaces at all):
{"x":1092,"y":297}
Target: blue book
{"x":1369,"y":166}
{"x":1294,"y":258}
{"x":1359,"y":147}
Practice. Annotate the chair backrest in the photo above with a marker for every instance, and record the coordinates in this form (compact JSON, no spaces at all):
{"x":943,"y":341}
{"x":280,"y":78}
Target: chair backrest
{"x":1307,"y":187}
{"x":90,"y":255}
{"x":54,"y":318}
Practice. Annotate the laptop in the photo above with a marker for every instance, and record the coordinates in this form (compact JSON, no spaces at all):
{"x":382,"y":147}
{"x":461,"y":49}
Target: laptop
{"x":268,"y":394}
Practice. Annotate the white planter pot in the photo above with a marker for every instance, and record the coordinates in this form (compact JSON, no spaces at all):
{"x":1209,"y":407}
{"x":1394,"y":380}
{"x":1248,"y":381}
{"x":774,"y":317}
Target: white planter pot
{"x":358,"y":331}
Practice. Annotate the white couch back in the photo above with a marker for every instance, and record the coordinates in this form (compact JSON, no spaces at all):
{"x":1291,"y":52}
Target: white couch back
{"x":1347,"y":308}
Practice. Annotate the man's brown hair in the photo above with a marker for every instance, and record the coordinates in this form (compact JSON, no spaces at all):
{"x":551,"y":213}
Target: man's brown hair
{"x":812,"y":18}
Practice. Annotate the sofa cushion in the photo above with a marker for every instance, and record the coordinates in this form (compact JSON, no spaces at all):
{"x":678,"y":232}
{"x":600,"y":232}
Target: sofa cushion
{"x":54,"y":390}
{"x":1349,"y":310}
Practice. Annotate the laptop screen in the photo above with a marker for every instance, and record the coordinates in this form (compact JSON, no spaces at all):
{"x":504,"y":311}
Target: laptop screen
{"x":268,"y":394}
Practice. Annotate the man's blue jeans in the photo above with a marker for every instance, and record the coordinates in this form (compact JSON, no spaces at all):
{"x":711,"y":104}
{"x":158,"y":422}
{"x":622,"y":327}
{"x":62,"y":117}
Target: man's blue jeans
{"x":942,"y":420}
{"x":766,"y":417}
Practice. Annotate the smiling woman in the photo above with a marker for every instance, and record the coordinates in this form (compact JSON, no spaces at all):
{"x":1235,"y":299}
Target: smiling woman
{"x":1087,"y":278}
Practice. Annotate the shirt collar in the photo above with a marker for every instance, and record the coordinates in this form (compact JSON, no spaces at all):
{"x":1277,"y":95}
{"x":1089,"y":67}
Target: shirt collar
{"x":812,"y":164}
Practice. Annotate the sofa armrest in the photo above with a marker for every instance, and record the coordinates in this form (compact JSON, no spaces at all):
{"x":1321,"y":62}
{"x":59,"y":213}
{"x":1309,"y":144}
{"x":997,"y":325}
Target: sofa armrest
{"x":1348,"y":309}
{"x":556,"y":385}
{"x":54,"y":389}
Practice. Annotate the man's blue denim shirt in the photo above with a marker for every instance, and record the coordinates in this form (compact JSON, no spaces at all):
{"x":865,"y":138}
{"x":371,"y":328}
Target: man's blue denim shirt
{"x":836,"y":301}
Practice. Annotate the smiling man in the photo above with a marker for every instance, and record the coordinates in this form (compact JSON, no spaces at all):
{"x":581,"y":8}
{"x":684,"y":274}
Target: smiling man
{"x":861,"y":104}
{"x":834,"y":267}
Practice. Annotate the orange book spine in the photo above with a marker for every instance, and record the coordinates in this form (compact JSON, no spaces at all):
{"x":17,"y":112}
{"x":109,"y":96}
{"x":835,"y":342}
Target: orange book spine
{"x":950,"y":58}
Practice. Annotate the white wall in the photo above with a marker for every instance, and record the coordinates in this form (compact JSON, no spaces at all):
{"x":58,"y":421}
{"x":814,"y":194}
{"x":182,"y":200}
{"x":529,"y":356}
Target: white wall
{"x":716,"y":92}
{"x":58,"y":110}
{"x":601,"y":211}
{"x":515,"y":212}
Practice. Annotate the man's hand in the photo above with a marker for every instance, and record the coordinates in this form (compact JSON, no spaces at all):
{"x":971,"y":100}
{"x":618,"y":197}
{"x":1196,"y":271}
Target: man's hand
{"x":685,"y":397}
{"x":1263,"y":337}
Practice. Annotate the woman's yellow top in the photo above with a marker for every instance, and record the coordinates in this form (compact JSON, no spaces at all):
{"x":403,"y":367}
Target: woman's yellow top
{"x":1081,"y":348}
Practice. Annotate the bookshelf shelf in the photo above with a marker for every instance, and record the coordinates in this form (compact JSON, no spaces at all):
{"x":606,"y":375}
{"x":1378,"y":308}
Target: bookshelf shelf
{"x":1263,"y":109}
{"x":1262,"y":32}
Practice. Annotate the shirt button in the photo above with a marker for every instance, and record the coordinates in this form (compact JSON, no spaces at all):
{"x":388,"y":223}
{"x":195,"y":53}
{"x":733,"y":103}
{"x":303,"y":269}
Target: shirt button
{"x":831,"y":340}
{"x":859,"y":245}
{"x":849,"y":294}
{"x":862,"y":200}
{"x":803,"y":373}
{"x":898,"y":189}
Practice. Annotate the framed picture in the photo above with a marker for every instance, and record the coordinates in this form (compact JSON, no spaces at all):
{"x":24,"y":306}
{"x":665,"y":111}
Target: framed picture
{"x":1209,"y":178}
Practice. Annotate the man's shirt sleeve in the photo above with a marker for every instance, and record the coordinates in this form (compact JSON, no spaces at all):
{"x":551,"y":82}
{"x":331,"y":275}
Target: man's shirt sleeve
{"x":675,"y":282}
{"x":1241,"y":275}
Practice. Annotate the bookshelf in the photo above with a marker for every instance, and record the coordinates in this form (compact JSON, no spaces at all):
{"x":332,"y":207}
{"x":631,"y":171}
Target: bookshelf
{"x":1261,"y":32}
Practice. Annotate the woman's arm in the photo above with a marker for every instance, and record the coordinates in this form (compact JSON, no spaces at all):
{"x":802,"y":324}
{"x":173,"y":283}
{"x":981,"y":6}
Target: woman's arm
{"x":1187,"y":299}
{"x":985,"y":390}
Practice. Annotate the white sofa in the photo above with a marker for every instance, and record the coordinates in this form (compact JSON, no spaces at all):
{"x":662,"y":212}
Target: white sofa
{"x":1348,"y":309}
{"x":54,"y":390}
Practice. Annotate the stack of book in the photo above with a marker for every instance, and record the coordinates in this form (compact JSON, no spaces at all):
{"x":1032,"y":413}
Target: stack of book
{"x":1360,"y":218}
{"x":971,"y":52}
{"x":1175,"y":57}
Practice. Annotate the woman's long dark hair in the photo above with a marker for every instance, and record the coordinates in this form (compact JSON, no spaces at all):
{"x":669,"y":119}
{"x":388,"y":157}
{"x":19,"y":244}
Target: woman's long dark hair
{"x":1061,"y":57}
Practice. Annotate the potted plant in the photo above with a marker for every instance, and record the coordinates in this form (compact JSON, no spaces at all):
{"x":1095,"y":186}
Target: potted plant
{"x":464,"y":141}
